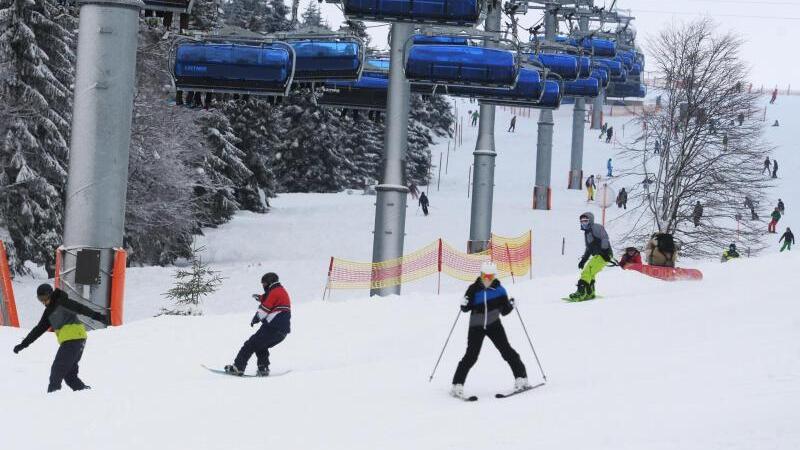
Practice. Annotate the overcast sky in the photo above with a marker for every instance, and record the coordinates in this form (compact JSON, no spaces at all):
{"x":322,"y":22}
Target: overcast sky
{"x":771,"y":29}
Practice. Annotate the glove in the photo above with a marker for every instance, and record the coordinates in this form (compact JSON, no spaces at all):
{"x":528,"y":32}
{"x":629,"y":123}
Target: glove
{"x":581,"y":264}
{"x":608,"y":255}
{"x":254,"y":321}
{"x":512,"y":302}
{"x":257,"y":297}
{"x":18,"y":348}
{"x":465,"y":302}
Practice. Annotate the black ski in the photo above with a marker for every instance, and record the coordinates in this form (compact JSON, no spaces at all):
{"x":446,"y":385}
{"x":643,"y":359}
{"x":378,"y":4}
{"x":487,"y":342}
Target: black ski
{"x":513,"y":393}
{"x":471,"y":398}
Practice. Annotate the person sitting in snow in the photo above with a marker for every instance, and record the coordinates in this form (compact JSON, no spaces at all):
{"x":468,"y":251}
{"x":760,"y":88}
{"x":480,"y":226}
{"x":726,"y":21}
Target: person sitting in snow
{"x":631,"y":256}
{"x":662,"y":250}
{"x":486,"y":300}
{"x":730,"y":253}
{"x":598,"y":253}
{"x":274,"y":314}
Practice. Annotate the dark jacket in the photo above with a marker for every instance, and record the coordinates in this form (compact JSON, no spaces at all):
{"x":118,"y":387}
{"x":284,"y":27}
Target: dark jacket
{"x":698,"y":211}
{"x":597,"y":242}
{"x":788,"y":236}
{"x":62,"y":315}
{"x":486,"y":304}
{"x":423,"y":200}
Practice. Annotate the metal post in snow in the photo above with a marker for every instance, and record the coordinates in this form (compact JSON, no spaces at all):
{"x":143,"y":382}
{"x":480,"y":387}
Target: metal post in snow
{"x":439,"y":178}
{"x":544,"y":139}
{"x":578,"y":113}
{"x":469,"y":180}
{"x":447,"y":163}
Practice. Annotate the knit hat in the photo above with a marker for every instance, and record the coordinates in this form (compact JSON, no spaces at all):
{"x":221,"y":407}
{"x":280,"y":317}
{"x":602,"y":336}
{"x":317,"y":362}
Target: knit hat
{"x":489,"y":267}
{"x":269,"y":278}
{"x":44,"y":289}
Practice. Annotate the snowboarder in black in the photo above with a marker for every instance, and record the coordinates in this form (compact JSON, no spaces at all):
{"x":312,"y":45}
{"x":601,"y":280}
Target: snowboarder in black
{"x":788,"y":239}
{"x":774,"y":168}
{"x":61,"y":314}
{"x":622,"y":199}
{"x":513,"y":126}
{"x":609,"y":134}
{"x":603,"y":129}
{"x":767,"y":164}
{"x":781,"y":207}
{"x":274,"y":314}
{"x":424,"y":202}
{"x":486,"y":300}
{"x":598,"y":253}
{"x":697,"y":214}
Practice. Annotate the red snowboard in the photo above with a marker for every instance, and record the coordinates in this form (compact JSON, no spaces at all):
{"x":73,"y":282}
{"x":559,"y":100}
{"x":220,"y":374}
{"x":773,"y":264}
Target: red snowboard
{"x":666,"y":273}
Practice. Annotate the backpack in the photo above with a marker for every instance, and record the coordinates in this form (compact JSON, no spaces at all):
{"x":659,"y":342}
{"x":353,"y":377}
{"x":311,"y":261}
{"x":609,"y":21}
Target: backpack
{"x":665,"y":243}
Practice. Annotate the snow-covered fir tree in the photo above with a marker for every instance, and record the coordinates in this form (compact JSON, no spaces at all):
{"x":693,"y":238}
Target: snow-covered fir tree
{"x":206,"y":15}
{"x":37,"y":44}
{"x":251,"y":15}
{"x":191,"y":285}
{"x":312,"y":16}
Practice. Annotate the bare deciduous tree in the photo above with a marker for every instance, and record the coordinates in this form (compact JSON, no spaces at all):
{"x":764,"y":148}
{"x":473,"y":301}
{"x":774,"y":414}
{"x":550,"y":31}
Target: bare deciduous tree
{"x":703,"y":144}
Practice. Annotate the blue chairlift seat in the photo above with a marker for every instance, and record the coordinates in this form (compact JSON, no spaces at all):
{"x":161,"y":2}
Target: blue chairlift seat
{"x":621,"y":78}
{"x":450,"y":12}
{"x":584,"y":66}
{"x":565,"y":66}
{"x":549,"y":99}
{"x":241,"y":68}
{"x":461,"y":65}
{"x":626,"y":61}
{"x":635,"y":70}
{"x":441,"y":40}
{"x":601,"y":75}
{"x":614,"y":68}
{"x":583,"y":87}
{"x":318,"y":60}
{"x":603,"y":48}
{"x":368,"y":93}
{"x":528,"y":89}
{"x":179,"y":6}
{"x":623,"y":90}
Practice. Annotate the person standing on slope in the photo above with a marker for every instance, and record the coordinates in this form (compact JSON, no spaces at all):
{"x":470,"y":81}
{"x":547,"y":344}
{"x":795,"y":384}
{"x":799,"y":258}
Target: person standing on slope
{"x":774,"y":168}
{"x":781,"y":207}
{"x":767,"y":164}
{"x":788,"y":239}
{"x":486,"y":300}
{"x":609,"y":134}
{"x":697,"y":213}
{"x":598,"y":253}
{"x":512,"y":127}
{"x":776,"y":216}
{"x":61,"y":314}
{"x":590,"y":187}
{"x":774,"y":96}
{"x":424,"y":202}
{"x":610,"y":168}
{"x":622,"y":199}
{"x":475,"y":116}
{"x":274,"y":313}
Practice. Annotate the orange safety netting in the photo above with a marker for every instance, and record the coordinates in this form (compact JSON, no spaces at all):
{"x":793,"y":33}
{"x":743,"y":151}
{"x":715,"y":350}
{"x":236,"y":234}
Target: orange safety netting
{"x":8,"y":308}
{"x":513,"y":257}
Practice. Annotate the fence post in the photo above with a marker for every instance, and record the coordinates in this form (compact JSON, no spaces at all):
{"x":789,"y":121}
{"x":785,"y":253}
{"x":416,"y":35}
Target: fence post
{"x":439,"y":269}
{"x":469,"y":180}
{"x":328,"y":283}
{"x":563,"y":245}
{"x":510,"y":264}
{"x":439,"y":179}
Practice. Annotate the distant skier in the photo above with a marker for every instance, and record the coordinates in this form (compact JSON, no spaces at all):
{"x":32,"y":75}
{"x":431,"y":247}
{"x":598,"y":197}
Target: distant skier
{"x":598,"y":253}
{"x":725,"y":142}
{"x":788,"y":239}
{"x":475,"y":116}
{"x":697,"y":213}
{"x":424,"y":202}
{"x":776,"y":124}
{"x":730,"y":253}
{"x":486,"y":300}
{"x":610,"y":168}
{"x":767,"y":164}
{"x":774,"y":96}
{"x":657,"y":147}
{"x":740,"y":118}
{"x":603,"y":129}
{"x":513,"y":126}
{"x":781,"y":207}
{"x":622,"y":199}
{"x":61,"y":314}
{"x":609,"y":134}
{"x":631,"y":256}
{"x":274,"y":314}
{"x":590,"y":188}
{"x":774,"y":168}
{"x":776,"y":217}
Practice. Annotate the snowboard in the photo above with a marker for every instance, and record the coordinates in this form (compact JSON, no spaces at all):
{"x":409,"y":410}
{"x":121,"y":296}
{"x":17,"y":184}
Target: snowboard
{"x":567,"y":299}
{"x":247,"y":375}
{"x":666,"y":273}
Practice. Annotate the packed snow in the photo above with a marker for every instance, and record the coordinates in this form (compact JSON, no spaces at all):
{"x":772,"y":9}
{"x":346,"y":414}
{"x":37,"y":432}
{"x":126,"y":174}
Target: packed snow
{"x":652,"y":365}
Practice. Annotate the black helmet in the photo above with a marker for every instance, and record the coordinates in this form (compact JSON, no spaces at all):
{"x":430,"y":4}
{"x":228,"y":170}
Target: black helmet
{"x":44,"y":289}
{"x":269,"y":278}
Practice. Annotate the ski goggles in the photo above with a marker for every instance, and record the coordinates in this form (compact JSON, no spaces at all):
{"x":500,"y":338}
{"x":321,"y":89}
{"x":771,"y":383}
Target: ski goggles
{"x":584,"y":220}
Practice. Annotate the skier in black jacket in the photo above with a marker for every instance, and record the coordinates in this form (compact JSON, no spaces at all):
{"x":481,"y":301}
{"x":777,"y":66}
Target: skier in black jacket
{"x":424,"y":202}
{"x":487,"y":300}
{"x":788,"y":239}
{"x":61,"y":314}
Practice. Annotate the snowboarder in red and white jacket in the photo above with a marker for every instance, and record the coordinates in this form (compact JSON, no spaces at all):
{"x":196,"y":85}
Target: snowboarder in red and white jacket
{"x":274,"y":313}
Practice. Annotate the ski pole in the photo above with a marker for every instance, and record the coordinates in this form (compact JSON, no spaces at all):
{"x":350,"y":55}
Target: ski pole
{"x":525,"y":329}
{"x":445,"y":346}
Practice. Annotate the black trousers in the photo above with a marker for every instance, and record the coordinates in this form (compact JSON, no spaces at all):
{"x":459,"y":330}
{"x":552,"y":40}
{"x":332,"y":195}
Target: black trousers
{"x":65,"y":366}
{"x":497,"y":334}
{"x":265,"y":338}
{"x":425,"y":209}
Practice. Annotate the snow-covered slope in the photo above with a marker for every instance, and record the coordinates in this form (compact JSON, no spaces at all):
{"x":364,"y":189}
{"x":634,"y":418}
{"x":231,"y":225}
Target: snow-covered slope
{"x":707,"y":365}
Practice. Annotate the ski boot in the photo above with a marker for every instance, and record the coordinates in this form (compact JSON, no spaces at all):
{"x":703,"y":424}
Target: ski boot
{"x":233,"y":370}
{"x":582,"y":292}
{"x":262,"y":372}
{"x":457,"y":391}
{"x":590,"y":294}
{"x":521,"y":384}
